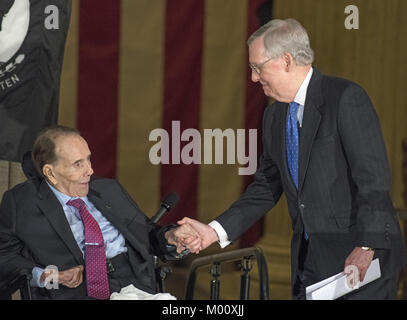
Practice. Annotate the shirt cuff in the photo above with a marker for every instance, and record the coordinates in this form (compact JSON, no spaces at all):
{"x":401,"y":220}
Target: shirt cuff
{"x":35,"y":281}
{"x":223,"y":237}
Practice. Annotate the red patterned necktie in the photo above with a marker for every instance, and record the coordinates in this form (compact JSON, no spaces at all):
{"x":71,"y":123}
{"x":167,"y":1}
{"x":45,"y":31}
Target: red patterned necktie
{"x":95,"y":254}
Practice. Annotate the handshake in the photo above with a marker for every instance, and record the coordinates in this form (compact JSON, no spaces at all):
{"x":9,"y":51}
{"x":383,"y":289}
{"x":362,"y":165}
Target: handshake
{"x":192,"y":235}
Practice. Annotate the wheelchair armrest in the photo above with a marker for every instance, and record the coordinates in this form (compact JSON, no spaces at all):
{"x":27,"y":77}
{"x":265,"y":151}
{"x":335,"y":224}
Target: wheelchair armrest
{"x":19,"y":280}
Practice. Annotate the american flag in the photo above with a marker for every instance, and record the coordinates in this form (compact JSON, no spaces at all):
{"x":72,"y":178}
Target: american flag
{"x":132,"y":66}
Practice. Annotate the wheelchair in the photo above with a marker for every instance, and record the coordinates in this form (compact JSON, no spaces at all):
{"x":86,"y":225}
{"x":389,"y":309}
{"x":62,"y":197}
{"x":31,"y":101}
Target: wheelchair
{"x":17,"y":285}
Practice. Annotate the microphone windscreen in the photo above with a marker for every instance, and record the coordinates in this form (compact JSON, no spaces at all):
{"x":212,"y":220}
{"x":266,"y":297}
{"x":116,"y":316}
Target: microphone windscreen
{"x":171,"y":199}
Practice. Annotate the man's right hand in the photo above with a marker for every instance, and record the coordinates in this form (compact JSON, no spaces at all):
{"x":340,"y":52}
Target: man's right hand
{"x":207,"y":234}
{"x":184,"y":237}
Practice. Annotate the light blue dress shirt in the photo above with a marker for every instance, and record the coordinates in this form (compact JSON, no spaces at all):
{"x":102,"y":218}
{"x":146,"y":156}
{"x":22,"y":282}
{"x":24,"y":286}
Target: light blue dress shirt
{"x":113,"y":239}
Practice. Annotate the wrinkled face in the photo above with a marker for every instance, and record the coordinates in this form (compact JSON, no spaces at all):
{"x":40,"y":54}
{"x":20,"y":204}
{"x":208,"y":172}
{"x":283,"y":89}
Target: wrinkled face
{"x":72,"y":171}
{"x":272,"y":75}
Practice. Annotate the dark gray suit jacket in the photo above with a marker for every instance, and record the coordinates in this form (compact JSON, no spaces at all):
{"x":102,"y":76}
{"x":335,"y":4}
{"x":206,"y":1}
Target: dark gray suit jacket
{"x":343,"y":197}
{"x":35,"y":232}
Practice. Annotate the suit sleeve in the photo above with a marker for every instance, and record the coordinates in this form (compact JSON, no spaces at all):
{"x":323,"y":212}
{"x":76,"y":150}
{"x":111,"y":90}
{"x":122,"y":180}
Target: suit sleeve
{"x":11,"y":247}
{"x":158,"y":244}
{"x":365,"y":151}
{"x":260,"y":196}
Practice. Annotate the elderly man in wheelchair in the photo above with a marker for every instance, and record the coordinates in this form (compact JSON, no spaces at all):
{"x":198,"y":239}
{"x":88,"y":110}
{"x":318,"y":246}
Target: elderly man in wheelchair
{"x":77,"y":237}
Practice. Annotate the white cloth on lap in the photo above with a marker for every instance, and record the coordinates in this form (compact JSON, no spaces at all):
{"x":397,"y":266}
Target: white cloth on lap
{"x":132,"y":293}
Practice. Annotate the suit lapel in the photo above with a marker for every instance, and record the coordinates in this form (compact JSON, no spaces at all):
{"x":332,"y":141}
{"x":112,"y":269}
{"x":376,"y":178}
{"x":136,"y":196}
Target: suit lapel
{"x":109,"y":212}
{"x":52,"y":209}
{"x":310,"y":124}
{"x":105,"y":208}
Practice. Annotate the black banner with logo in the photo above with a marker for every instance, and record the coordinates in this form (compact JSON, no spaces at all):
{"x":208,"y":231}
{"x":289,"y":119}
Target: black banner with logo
{"x":32,"y":41}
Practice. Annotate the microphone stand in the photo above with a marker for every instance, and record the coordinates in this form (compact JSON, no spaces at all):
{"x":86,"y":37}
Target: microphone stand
{"x":161,"y":271}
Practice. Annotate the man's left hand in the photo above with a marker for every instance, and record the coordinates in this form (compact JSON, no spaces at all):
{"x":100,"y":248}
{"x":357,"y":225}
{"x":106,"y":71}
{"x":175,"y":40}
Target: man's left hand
{"x":361,"y":259}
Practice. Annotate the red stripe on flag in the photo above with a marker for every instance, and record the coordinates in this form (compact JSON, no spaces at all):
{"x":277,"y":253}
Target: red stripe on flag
{"x":184,"y":28}
{"x":98,"y":63}
{"x":255,"y":102}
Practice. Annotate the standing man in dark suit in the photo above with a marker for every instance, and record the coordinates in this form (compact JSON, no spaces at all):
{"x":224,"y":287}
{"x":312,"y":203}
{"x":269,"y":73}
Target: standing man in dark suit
{"x":323,"y":147}
{"x":90,"y":231}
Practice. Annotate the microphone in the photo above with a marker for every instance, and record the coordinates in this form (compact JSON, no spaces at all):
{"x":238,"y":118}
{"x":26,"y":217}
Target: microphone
{"x":169,"y":201}
{"x":166,"y":205}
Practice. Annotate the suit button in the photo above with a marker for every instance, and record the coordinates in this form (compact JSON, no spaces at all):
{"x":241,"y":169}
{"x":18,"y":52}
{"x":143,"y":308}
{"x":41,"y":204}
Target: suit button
{"x":302,"y":206}
{"x":387,"y":225}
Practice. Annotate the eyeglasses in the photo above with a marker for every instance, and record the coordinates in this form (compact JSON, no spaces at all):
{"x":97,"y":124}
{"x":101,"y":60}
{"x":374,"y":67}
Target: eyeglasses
{"x":257,"y":69}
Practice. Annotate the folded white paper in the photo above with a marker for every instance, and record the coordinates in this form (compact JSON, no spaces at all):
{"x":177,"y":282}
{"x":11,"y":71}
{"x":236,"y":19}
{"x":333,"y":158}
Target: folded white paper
{"x":337,"y":285}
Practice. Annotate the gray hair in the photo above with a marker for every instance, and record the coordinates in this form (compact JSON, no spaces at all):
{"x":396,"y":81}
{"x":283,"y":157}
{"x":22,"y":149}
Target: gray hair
{"x":281,"y":36}
{"x":44,"y":146}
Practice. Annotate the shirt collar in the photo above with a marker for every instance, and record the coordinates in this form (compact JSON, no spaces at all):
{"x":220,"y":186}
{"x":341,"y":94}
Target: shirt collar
{"x":62,"y":197}
{"x":302,"y":91}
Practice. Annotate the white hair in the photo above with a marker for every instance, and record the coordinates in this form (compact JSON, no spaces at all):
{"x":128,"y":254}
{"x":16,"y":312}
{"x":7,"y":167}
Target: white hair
{"x":285,"y":36}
